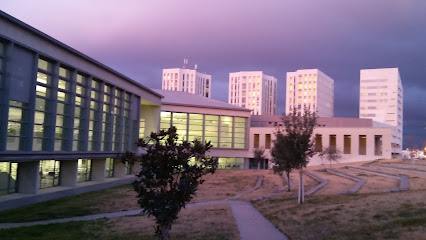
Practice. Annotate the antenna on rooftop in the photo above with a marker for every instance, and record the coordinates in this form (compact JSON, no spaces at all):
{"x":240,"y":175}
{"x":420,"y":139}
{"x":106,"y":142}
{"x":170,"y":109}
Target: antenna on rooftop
{"x":185,"y":62}
{"x":196,"y":66}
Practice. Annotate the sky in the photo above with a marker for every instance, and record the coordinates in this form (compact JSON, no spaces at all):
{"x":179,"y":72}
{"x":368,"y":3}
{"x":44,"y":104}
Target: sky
{"x":140,"y":38}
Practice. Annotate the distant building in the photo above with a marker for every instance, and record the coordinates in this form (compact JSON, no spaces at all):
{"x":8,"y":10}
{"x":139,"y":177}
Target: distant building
{"x":253,"y":90}
{"x":381,"y":99}
{"x":312,"y":89}
{"x":187,"y":80}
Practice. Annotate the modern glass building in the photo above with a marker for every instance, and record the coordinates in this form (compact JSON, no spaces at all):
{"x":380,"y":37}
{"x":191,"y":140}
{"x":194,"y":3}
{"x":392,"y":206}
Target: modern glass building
{"x":226,"y":126}
{"x":64,"y":118}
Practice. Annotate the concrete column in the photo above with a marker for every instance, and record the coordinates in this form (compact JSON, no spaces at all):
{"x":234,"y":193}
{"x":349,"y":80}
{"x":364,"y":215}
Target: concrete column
{"x":98,"y":169}
{"x":119,"y":169}
{"x":28,"y":177}
{"x":370,"y":145}
{"x":69,"y":173}
{"x":325,"y":141}
{"x":355,"y":144}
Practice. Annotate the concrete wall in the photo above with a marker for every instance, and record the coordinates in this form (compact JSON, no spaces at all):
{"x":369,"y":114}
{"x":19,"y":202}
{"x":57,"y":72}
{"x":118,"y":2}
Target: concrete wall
{"x":339,"y":132}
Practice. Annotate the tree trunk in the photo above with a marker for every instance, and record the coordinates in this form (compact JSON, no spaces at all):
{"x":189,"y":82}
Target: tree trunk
{"x":165,"y":231}
{"x":258,"y":165}
{"x":301,"y":187}
{"x":288,"y":182}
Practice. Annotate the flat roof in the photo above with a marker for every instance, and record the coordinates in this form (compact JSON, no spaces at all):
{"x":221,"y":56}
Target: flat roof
{"x":179,"y":98}
{"x":72,"y":50}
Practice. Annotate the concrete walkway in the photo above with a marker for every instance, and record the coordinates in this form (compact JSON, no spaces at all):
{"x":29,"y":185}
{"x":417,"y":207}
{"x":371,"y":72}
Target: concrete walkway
{"x":253,"y":225}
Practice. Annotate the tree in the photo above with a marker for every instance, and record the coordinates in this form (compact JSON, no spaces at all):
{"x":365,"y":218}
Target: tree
{"x":282,"y":157}
{"x":259,"y":156}
{"x":168,"y":180}
{"x":331,"y":154}
{"x":294,"y":144}
{"x":413,"y":152}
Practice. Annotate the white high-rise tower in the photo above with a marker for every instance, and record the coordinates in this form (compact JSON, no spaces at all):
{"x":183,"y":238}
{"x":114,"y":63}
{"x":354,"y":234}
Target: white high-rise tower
{"x":381,"y":99}
{"x":253,"y":90}
{"x":187,"y":80}
{"x":311,"y":89}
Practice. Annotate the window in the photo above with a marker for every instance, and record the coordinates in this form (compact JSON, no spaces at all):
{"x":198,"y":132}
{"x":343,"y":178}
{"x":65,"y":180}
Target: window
{"x":226,"y":125}
{"x":79,"y":113}
{"x":84,"y":170}
{"x":62,"y":111}
{"x":240,"y":132}
{"x":318,"y":143}
{"x":117,"y":121}
{"x":8,"y":177}
{"x":268,"y":141}
{"x":15,"y":126}
{"x":195,"y":130}
{"x":333,"y":141}
{"x":109,"y":167}
{"x":180,"y":121}
{"x":49,"y":172}
{"x":362,"y":144}
{"x":347,"y":144}
{"x":211,"y":129}
{"x":378,"y":145}
{"x":165,"y":120}
{"x":256,"y":141}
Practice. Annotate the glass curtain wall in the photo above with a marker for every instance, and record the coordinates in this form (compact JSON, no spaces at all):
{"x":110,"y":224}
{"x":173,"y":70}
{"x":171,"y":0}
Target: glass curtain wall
{"x":107,"y":119}
{"x":211,"y":129}
{"x":63,"y":108}
{"x":226,"y":131}
{"x":94,"y":133}
{"x":43,"y":102}
{"x":195,"y":130}
{"x":180,"y":121}
{"x":8,"y":177}
{"x":166,"y":119}
{"x":126,"y":125}
{"x":15,"y":126}
{"x":49,"y":172}
{"x":84,"y":170}
{"x":79,"y":113}
{"x":240,"y":132}
{"x":117,"y":120}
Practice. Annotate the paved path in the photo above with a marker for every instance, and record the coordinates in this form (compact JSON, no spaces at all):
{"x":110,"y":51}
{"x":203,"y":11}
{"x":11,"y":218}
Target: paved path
{"x":253,"y":225}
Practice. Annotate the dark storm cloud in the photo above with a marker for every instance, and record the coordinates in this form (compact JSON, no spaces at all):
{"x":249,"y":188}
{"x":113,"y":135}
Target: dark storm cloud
{"x":140,"y":38}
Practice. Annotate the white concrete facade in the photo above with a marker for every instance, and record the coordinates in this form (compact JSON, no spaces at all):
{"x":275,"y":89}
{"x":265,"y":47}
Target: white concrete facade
{"x":187,"y":80}
{"x":253,"y":90}
{"x":312,"y":89}
{"x":338,"y":134}
{"x":381,"y":99}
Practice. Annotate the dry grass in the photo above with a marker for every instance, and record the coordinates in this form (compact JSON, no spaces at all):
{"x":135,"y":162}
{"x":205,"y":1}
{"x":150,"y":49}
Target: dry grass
{"x":270,"y":183}
{"x":226,"y":183}
{"x":207,"y":222}
{"x":360,"y":216}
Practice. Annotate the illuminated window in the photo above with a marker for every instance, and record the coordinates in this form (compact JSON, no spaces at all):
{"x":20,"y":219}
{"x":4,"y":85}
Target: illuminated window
{"x":9,"y":178}
{"x":211,"y":129}
{"x":180,"y":122}
{"x":240,"y":132}
{"x":195,"y":130}
{"x":49,"y":171}
{"x":84,"y":170}
{"x":226,"y":126}
{"x":15,"y":126}
{"x":109,"y":167}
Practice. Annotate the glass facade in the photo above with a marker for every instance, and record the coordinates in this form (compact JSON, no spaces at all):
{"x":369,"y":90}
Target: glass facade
{"x":63,"y":113}
{"x":231,"y":163}
{"x":84,"y":170}
{"x":8,"y":177}
{"x":80,"y":115}
{"x":16,"y":126}
{"x":229,"y":131}
{"x":109,"y":167}
{"x":49,"y":172}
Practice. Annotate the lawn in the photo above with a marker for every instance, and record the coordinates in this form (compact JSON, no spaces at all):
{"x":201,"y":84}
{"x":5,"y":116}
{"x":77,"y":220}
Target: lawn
{"x":210,"y":222}
{"x":398,"y":215}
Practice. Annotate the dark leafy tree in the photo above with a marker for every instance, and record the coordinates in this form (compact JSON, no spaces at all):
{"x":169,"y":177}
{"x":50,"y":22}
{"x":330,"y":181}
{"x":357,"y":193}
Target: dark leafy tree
{"x":294,"y":145}
{"x":169,"y":176}
{"x":259,"y":156}
{"x":332,"y":154}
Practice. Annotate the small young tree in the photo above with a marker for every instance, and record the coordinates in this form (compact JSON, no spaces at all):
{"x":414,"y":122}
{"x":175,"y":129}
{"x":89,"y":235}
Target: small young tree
{"x":332,"y":154}
{"x":259,"y":156}
{"x":167,"y":180}
{"x":282,"y":156}
{"x":296,"y":143}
